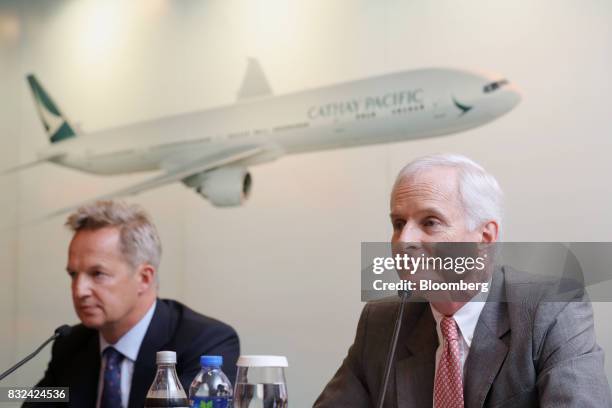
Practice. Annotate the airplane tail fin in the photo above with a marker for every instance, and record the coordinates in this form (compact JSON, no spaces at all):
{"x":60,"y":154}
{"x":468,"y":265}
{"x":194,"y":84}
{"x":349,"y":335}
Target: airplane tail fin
{"x":56,"y":125}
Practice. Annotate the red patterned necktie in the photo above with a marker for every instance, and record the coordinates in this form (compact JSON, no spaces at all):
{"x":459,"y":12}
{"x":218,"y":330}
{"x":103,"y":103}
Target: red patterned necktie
{"x":448,"y":385}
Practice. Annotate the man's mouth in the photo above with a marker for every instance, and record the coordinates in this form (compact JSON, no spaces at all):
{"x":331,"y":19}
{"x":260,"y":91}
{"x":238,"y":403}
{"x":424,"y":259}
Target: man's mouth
{"x":87,"y":308}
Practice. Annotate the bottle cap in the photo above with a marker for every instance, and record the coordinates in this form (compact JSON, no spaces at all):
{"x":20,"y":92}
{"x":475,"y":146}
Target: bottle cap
{"x":262,"y":361}
{"x":166,"y":357}
{"x":211,"y":361}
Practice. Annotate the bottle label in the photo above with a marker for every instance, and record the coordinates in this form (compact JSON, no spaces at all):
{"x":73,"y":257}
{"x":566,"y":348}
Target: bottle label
{"x":210,"y":402}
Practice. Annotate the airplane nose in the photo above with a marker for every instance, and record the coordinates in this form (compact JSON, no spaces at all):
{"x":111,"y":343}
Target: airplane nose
{"x":504,"y":100}
{"x":514,"y":95}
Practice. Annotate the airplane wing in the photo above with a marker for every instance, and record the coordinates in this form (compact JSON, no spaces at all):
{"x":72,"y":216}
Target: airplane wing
{"x":175,"y":174}
{"x":32,"y":163}
{"x":255,"y":84}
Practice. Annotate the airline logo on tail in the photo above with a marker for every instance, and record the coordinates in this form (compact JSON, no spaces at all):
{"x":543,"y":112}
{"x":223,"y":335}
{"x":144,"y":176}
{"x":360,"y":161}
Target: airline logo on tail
{"x":55,"y":124}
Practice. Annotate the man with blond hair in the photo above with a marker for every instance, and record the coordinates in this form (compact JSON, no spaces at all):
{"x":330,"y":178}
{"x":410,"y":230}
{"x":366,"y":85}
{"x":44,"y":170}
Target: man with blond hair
{"x":109,"y":359}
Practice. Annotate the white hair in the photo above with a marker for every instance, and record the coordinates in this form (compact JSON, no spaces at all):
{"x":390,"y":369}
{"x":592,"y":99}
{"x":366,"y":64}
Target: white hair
{"x":479,"y":191}
{"x":139,"y":241}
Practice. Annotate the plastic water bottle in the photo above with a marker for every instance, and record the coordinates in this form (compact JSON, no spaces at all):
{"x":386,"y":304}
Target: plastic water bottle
{"x":166,"y":390}
{"x":210,"y":388}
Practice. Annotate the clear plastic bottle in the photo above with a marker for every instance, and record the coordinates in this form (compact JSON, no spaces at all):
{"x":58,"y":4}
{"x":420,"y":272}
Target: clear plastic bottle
{"x":211,"y":388}
{"x":166,"y":390}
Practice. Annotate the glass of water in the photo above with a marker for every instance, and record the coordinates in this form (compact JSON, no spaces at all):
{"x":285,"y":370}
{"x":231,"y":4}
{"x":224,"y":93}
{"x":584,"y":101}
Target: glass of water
{"x":260,"y":382}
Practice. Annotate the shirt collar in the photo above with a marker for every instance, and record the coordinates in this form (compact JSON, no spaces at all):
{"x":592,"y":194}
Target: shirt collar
{"x":129,"y":343}
{"x":466,"y":317}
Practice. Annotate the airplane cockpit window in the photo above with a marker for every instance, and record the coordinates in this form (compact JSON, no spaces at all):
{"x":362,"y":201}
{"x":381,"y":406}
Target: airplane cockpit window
{"x":494,"y":86}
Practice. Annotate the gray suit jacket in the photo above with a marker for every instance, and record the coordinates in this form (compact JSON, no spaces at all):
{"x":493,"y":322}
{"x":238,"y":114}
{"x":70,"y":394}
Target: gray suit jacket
{"x":524,"y":353}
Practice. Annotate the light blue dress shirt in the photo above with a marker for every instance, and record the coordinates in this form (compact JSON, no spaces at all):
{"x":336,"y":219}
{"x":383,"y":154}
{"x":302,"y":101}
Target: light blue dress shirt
{"x":128,"y":345}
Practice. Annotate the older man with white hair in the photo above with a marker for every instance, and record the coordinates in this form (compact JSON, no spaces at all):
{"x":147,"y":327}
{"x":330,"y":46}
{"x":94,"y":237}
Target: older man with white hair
{"x":455,"y":353}
{"x":108,"y":361}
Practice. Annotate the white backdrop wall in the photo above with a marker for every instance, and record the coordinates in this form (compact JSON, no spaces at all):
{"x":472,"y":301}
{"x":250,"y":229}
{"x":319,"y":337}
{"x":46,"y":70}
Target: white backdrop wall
{"x":284,"y":269}
{"x":9,"y":155}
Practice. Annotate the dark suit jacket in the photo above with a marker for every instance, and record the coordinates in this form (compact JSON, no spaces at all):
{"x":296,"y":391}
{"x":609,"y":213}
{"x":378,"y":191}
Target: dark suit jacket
{"x":525,"y":353}
{"x":75,"y":359}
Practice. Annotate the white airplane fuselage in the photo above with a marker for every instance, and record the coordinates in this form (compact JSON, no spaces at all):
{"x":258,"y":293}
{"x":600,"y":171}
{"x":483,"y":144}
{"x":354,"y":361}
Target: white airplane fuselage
{"x":388,"y":108}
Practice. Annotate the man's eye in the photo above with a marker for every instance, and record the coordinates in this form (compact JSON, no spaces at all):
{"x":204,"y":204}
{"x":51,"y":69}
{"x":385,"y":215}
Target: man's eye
{"x":398,"y":224}
{"x":72,"y":275}
{"x":97,"y":274}
{"x":430,"y":222}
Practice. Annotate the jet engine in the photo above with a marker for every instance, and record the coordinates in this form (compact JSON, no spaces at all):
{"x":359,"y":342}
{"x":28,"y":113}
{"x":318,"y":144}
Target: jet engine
{"x":224,"y":187}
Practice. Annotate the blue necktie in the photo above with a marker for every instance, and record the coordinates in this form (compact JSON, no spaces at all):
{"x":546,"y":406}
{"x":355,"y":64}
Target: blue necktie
{"x":111,"y":391}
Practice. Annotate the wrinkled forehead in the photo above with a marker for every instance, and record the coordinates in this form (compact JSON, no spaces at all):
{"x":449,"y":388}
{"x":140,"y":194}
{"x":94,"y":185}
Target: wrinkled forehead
{"x":434,"y":186}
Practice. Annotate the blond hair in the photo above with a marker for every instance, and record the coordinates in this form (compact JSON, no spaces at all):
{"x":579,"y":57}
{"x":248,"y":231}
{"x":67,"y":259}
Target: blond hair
{"x":139,"y":241}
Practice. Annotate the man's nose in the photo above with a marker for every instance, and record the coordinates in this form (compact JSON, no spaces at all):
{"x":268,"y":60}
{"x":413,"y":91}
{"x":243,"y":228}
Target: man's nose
{"x":81,"y":287}
{"x":411,"y":234}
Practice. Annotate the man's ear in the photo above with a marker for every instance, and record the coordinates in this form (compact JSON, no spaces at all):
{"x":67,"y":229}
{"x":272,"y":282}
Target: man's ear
{"x":147,"y":279}
{"x":490,"y":232}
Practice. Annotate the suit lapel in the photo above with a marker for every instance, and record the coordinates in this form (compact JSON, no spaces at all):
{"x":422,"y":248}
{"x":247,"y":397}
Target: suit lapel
{"x":157,"y":336}
{"x":86,"y":372}
{"x":416,"y":360}
{"x":487,"y":351}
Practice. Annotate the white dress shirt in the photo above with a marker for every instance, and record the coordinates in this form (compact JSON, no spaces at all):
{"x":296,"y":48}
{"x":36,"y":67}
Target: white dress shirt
{"x":128,"y":345}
